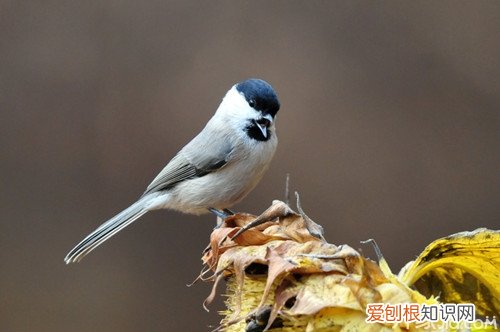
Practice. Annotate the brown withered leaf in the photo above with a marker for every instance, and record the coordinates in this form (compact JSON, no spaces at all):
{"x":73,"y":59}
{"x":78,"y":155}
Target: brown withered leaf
{"x":278,"y":222}
{"x":285,"y":292}
{"x":292,"y":228}
{"x":277,"y":210}
{"x":287,"y":224}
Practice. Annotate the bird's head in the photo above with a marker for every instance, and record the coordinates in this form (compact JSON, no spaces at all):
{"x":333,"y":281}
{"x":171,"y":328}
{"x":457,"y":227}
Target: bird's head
{"x":253,"y":104}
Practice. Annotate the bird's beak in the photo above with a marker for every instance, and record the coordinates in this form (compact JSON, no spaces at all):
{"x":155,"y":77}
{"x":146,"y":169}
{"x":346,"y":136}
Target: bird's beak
{"x":263,"y":129}
{"x":264,"y":123}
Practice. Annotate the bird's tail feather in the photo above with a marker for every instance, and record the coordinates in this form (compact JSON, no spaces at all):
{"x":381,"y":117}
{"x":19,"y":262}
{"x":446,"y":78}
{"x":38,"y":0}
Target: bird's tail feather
{"x":107,"y":230}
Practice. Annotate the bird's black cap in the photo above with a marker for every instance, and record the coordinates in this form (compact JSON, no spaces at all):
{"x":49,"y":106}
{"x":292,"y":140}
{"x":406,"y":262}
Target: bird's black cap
{"x":260,"y":95}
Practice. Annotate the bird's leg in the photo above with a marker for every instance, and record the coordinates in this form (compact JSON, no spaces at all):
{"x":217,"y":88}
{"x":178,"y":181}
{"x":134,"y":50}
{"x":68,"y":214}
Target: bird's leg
{"x":229,"y":212}
{"x":221,"y":215}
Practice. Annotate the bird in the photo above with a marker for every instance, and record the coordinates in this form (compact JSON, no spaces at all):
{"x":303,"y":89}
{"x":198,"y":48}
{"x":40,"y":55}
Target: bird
{"x":212,"y":172}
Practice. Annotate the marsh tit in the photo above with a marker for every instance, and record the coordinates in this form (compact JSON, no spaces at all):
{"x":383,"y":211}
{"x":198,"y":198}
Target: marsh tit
{"x":215,"y":170}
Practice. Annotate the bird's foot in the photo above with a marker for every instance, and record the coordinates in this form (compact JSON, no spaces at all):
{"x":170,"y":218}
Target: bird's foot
{"x":221,"y":215}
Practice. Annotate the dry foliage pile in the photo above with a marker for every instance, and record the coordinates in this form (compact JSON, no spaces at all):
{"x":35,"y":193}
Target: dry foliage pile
{"x":281,"y":274}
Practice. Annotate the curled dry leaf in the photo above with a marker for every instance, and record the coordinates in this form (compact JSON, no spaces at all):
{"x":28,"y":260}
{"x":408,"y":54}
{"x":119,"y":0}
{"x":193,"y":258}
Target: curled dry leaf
{"x":461,"y":268}
{"x":282,"y":277}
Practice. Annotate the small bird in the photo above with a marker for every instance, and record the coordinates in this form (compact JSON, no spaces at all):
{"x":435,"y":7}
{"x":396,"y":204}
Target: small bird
{"x":215,"y":170}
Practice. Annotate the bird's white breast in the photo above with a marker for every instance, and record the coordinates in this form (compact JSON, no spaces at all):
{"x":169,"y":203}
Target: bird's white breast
{"x":228,"y":185}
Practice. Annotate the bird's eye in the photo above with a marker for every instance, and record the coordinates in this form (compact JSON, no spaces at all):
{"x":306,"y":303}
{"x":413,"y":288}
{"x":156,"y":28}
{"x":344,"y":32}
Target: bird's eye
{"x":251,"y":102}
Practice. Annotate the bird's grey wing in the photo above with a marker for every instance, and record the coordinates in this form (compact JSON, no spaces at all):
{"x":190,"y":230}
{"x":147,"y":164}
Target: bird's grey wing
{"x":200,"y":157}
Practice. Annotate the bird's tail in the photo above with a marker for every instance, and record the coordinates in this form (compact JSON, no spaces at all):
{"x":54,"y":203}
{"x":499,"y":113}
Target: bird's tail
{"x":108,"y":229}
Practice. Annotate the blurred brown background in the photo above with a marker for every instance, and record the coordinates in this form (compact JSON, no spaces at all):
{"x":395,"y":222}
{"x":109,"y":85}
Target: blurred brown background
{"x":389,"y":128}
